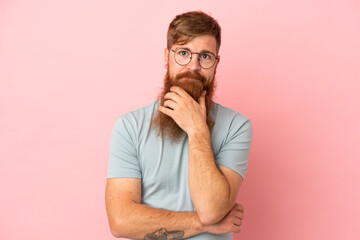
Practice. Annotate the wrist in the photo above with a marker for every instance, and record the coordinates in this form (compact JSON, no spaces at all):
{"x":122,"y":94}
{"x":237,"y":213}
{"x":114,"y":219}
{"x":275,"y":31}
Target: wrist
{"x":201,"y":228}
{"x":200,"y":131}
{"x":204,"y":228}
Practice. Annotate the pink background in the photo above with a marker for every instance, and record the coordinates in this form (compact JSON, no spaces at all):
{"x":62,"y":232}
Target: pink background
{"x":69,"y":68}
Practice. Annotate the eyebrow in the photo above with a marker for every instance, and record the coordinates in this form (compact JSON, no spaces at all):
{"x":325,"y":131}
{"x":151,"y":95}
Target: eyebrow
{"x":203,"y":51}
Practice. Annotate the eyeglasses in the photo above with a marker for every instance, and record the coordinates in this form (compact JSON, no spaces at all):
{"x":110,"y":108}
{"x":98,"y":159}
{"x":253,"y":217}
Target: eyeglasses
{"x":183,"y":57}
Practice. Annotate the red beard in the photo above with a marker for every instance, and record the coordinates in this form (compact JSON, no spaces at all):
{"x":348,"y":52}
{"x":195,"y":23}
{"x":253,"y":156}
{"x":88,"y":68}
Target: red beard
{"x":165,"y":125}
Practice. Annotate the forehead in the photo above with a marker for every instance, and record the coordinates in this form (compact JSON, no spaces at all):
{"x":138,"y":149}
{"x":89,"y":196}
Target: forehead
{"x":203,"y":43}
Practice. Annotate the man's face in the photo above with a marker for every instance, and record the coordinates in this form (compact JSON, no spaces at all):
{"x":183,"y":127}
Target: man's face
{"x":203,"y":43}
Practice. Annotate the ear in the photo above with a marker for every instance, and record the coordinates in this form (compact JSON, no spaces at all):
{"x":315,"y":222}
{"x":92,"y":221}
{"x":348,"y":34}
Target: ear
{"x":166,"y":58}
{"x":218,"y":60}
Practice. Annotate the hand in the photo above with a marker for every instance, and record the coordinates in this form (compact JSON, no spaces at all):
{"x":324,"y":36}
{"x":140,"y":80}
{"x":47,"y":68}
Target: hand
{"x":230,"y":223}
{"x":184,"y":110}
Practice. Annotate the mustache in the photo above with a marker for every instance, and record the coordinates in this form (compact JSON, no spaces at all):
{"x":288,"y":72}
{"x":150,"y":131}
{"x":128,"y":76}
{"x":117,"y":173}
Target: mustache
{"x":193,"y":75}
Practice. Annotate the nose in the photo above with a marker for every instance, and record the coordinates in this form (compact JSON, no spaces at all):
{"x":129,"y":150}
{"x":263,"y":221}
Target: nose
{"x":194,"y":63}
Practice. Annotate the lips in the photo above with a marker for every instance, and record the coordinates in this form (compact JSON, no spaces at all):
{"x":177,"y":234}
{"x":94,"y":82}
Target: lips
{"x":191,"y":79}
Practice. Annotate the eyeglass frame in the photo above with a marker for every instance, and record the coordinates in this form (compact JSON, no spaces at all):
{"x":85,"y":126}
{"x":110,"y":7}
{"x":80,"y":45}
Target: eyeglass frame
{"x":191,"y":53}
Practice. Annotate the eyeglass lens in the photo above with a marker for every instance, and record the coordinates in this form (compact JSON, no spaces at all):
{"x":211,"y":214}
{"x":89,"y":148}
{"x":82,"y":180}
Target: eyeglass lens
{"x":183,"y":57}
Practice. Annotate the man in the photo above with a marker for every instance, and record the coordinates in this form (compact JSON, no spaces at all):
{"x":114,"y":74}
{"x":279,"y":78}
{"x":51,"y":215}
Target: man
{"x":176,"y":165}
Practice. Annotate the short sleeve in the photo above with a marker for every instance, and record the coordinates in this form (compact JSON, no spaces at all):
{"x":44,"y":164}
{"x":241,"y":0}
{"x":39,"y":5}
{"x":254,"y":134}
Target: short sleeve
{"x":235,"y":151}
{"x":123,"y":161}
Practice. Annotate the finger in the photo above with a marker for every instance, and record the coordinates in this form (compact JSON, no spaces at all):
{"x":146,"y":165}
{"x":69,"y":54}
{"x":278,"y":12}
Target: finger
{"x":173,"y":96}
{"x":202,"y":100}
{"x":170,"y":104}
{"x":239,"y":207}
{"x":237,"y":222}
{"x":166,"y":111}
{"x":239,"y":215}
{"x":236,"y":229}
{"x":180,"y":91}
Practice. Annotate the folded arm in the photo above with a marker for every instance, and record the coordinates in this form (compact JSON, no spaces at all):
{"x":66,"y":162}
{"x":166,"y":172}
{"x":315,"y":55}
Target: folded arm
{"x":131,"y":219}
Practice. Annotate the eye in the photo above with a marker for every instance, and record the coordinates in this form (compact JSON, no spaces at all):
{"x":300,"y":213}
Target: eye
{"x":183,"y":53}
{"x":206,"y":56}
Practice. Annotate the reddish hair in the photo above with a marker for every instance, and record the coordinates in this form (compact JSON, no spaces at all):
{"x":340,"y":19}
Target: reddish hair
{"x":186,"y":26}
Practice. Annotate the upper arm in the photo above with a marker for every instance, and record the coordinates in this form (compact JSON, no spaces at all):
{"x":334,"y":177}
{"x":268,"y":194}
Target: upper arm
{"x":235,"y":152}
{"x":119,"y":194}
{"x":123,"y":159}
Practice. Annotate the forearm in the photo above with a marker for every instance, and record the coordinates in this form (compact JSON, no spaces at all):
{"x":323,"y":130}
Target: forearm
{"x":209,"y":189}
{"x":138,"y":220}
